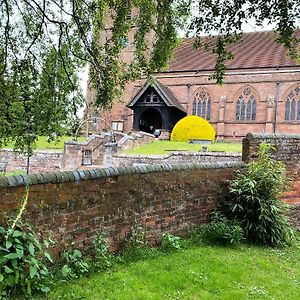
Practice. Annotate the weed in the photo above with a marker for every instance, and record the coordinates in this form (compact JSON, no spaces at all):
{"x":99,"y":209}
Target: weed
{"x":103,"y":259}
{"x":221,"y":230}
{"x":75,"y":265}
{"x":171,"y":241}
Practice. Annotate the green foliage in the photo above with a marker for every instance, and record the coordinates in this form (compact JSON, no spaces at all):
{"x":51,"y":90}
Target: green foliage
{"x":103,"y":259}
{"x":221,"y":231}
{"x":136,"y":246}
{"x":171,"y":241}
{"x":254,"y":201}
{"x":138,"y":236}
{"x":22,"y":256}
{"x":58,"y":37}
{"x":38,"y":101}
{"x":74,"y":264}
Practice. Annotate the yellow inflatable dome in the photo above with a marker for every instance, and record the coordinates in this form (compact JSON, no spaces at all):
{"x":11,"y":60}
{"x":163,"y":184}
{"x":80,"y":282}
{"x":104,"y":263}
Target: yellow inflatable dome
{"x":192,"y":128}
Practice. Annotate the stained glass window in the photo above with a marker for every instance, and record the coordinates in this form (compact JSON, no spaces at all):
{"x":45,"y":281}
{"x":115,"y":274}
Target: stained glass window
{"x":293,"y":110}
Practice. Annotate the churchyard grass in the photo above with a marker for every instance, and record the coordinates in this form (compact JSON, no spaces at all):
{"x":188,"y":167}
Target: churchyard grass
{"x":43,"y":144}
{"x":195,"y":272}
{"x":164,"y":147}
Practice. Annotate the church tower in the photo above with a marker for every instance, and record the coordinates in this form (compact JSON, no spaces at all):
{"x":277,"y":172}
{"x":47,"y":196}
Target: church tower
{"x":119,"y":118}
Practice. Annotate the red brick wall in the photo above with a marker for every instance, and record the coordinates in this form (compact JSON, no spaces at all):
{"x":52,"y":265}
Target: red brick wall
{"x":74,"y":206}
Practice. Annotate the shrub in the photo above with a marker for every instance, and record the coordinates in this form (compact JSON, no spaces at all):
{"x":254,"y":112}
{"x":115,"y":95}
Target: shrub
{"x":222,"y":231}
{"x":22,"y":267}
{"x":192,"y":128}
{"x":254,"y":201}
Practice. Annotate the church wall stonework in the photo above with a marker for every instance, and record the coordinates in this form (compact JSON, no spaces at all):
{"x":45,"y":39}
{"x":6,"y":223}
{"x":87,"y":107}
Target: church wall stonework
{"x":263,"y":83}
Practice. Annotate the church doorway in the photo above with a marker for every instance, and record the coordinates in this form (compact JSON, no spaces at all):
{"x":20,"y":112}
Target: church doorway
{"x":150,"y":120}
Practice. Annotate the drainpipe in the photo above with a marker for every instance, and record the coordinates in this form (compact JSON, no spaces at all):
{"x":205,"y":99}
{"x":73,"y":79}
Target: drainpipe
{"x":276,"y":105}
{"x":188,"y":97}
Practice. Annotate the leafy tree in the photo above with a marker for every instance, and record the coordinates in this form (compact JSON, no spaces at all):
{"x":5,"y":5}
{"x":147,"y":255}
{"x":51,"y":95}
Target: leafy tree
{"x":57,"y":37}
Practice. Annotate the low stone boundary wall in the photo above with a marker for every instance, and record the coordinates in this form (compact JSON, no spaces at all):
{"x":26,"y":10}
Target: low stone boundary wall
{"x":71,"y":158}
{"x":174,"y":158}
{"x":74,"y":206}
{"x":40,"y":161}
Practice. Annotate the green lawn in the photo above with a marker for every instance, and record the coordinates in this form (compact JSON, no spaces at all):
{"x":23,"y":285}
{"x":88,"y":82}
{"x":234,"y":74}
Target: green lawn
{"x":42,"y":143}
{"x":164,"y":147}
{"x":197,"y":272}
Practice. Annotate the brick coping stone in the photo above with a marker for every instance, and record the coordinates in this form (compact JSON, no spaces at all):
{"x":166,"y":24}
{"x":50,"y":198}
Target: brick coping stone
{"x":92,"y":174}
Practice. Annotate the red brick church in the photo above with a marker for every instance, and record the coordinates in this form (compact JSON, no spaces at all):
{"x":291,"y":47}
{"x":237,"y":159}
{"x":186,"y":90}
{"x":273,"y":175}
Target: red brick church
{"x":261,"y":91}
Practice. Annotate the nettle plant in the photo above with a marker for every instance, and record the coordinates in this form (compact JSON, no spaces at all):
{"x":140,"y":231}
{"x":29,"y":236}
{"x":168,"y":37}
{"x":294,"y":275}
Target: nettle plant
{"x":254,"y":200}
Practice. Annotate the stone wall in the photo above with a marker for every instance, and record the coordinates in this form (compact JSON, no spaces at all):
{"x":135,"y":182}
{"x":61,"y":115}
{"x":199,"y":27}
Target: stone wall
{"x":74,"y":206}
{"x":174,"y":158}
{"x":72,"y":156}
{"x":40,"y":161}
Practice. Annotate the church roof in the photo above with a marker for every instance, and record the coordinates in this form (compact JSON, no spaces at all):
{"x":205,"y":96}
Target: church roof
{"x":255,"y":50}
{"x":166,"y":94}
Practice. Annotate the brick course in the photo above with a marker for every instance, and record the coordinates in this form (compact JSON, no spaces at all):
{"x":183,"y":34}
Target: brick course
{"x":74,"y":206}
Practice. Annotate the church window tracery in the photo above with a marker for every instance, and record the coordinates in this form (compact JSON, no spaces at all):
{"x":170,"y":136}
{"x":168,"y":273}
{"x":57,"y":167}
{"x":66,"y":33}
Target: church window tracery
{"x":292,"y":105}
{"x":202,"y":105}
{"x":246,"y":106}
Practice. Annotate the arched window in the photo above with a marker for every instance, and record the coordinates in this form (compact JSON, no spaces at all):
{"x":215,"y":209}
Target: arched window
{"x":246,"y":106}
{"x":292,"y":105}
{"x":203,"y":100}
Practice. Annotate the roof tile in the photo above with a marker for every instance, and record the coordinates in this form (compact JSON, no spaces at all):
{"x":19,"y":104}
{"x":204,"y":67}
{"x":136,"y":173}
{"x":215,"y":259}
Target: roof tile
{"x":255,"y":50}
